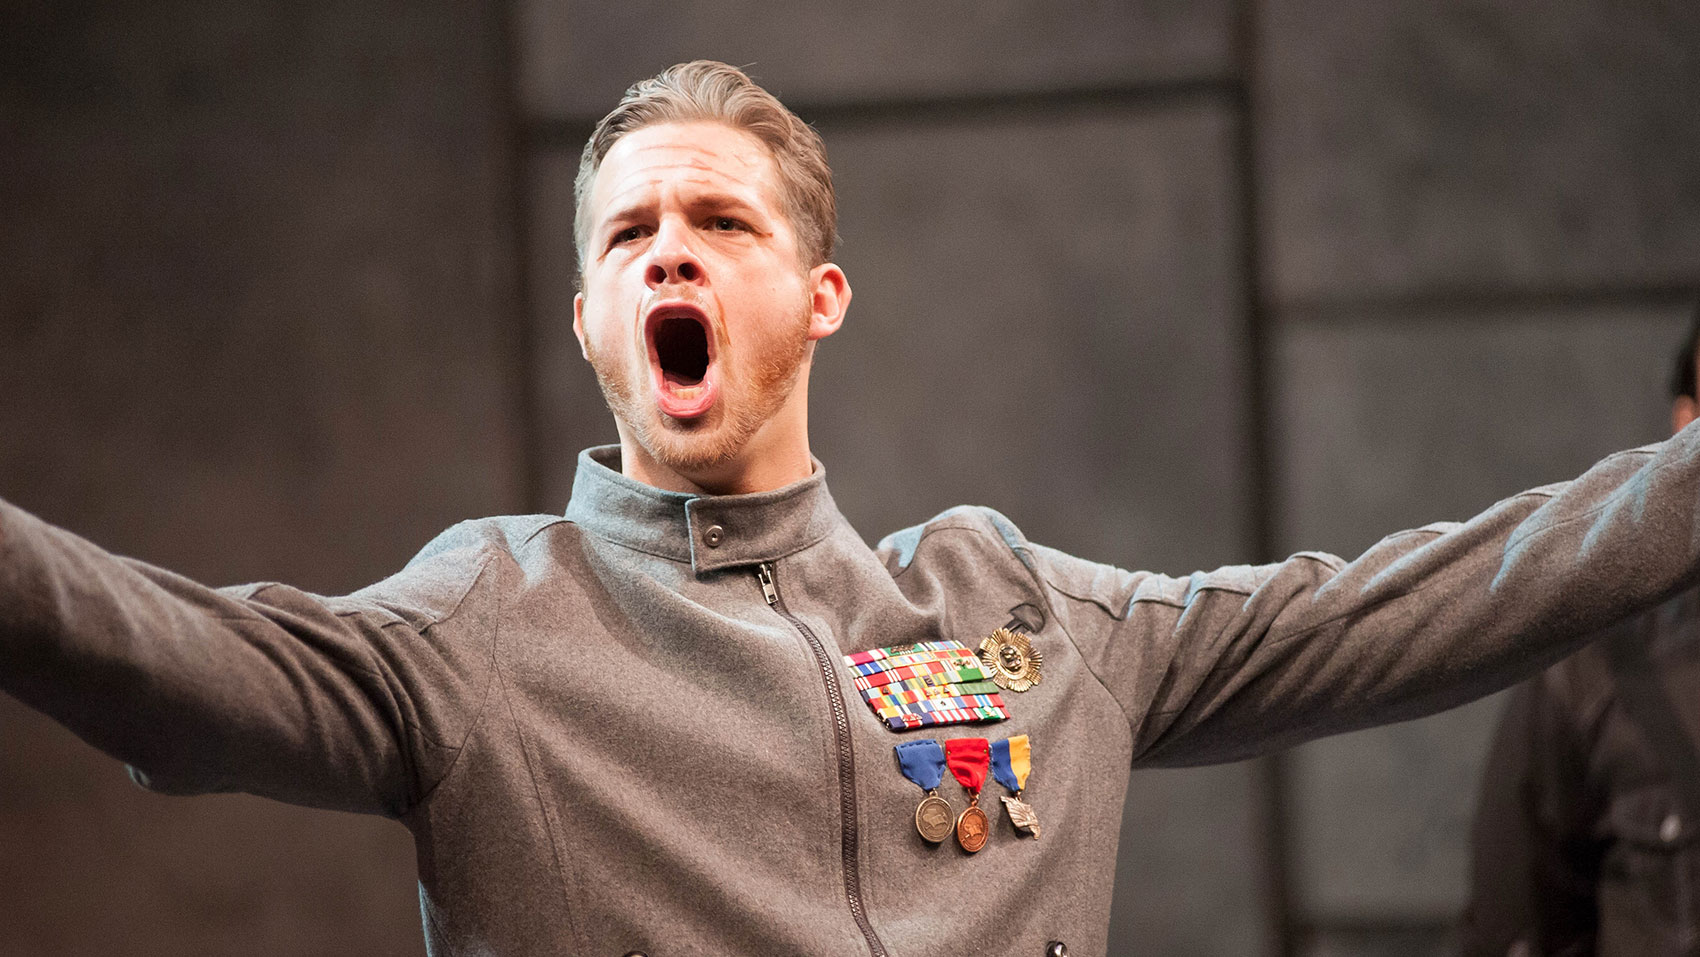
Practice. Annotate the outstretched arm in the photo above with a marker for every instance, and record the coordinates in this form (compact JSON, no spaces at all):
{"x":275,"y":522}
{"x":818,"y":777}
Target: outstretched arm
{"x":349,"y":703}
{"x":1225,"y":664}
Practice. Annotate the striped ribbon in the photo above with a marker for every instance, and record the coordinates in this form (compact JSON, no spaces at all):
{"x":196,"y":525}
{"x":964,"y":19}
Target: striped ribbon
{"x":925,"y":684}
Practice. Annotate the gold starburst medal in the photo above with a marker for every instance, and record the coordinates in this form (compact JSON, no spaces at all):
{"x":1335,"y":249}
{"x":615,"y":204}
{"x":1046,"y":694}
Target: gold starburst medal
{"x":1011,"y":660}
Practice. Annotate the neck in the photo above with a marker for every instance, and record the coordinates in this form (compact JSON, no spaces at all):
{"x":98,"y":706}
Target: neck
{"x":739,"y":475}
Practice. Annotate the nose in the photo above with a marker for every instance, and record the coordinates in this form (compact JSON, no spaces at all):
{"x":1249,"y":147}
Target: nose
{"x":671,"y":257}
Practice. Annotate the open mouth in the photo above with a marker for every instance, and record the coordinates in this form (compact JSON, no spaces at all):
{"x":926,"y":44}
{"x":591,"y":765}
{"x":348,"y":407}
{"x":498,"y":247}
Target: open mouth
{"x":681,"y":349}
{"x":681,"y":360}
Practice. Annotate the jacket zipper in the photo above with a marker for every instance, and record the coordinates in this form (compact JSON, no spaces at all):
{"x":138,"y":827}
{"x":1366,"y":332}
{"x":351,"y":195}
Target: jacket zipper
{"x":846,"y":760}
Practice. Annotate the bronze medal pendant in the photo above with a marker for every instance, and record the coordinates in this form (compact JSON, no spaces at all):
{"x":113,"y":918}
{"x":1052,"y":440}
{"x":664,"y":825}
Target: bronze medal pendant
{"x":934,"y":818}
{"x":968,"y":759}
{"x":972,"y":828}
{"x":1022,"y":816}
{"x":1011,"y":660}
{"x":1012,"y":762}
{"x":922,"y":761}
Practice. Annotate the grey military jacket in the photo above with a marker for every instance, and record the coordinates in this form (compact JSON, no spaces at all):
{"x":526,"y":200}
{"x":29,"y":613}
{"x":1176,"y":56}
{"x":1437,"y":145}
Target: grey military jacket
{"x":608,"y":734}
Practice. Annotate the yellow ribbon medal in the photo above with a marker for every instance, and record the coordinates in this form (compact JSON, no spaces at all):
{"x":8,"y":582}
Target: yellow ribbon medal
{"x":1012,"y":762}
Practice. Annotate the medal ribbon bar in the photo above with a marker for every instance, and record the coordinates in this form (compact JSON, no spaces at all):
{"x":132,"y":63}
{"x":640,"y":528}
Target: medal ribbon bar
{"x":925,"y":684}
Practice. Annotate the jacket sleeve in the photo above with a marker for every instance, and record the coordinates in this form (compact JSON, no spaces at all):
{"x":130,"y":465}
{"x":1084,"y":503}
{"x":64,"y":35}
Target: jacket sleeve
{"x":1222,"y":665}
{"x":1534,"y":864}
{"x":356,"y":703}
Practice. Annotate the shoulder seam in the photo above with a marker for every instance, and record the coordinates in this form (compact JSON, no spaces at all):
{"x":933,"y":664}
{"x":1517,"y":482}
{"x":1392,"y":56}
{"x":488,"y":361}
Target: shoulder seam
{"x":552,"y":521}
{"x":928,"y":530}
{"x":1024,"y":555}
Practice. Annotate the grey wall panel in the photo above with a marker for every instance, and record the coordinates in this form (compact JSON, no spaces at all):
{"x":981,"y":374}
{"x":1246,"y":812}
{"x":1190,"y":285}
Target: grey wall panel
{"x":1391,"y":422}
{"x":1186,"y":878}
{"x":579,"y":55}
{"x":569,"y":408}
{"x":254,"y":324}
{"x":1410,"y":147}
{"x":1364,"y":941}
{"x":1383,"y":816}
{"x":257,"y":286}
{"x":1045,"y":321}
{"x":95,"y":865}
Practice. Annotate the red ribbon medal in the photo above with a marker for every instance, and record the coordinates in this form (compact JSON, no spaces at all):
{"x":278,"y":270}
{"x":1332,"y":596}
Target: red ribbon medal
{"x":969,"y":759}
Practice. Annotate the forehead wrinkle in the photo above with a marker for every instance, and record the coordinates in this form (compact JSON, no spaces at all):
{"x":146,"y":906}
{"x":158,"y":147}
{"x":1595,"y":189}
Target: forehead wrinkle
{"x":640,"y":146}
{"x":673,"y":155}
{"x":640,"y":188}
{"x":674,"y":175}
{"x":694,"y":192}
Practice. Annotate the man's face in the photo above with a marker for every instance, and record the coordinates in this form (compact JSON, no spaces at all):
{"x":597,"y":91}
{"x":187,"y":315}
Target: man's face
{"x":697,"y":313}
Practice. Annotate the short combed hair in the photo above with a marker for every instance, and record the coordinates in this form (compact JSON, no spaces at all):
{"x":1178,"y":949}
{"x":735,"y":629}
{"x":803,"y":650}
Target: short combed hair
{"x":710,"y":91}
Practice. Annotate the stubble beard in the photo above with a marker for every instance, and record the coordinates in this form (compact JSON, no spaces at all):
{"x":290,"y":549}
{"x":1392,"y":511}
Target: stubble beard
{"x":695,"y":446}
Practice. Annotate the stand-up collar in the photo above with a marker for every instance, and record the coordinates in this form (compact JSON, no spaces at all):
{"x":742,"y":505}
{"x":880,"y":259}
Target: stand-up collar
{"x":708,"y":531}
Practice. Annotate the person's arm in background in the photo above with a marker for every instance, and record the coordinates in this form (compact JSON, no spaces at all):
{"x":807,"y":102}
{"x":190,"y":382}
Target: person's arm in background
{"x":1534,"y":864}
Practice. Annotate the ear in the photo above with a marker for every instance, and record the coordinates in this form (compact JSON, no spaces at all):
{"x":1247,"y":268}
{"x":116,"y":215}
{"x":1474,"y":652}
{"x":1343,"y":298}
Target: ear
{"x":578,"y":324}
{"x":829,"y":299}
{"x":1683,"y":411}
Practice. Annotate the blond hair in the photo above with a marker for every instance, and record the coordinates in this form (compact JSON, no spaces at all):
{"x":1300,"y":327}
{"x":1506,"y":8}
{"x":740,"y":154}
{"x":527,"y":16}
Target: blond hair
{"x":707,"y":90}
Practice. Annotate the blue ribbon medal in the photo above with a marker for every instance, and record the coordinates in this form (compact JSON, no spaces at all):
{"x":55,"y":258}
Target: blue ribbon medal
{"x":922,"y":762}
{"x":1012,"y":762}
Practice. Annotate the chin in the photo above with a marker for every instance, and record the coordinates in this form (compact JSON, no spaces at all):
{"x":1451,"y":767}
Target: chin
{"x":692,"y":454}
{"x":700,"y":446}
{"x":692,"y":446}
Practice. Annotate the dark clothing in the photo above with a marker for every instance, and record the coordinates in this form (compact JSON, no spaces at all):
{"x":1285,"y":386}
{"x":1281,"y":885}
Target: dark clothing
{"x":1584,"y":842}
{"x":631,"y":727}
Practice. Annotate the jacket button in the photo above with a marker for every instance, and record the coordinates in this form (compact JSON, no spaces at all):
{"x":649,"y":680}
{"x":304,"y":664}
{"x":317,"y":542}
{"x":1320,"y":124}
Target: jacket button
{"x":1670,"y":828}
{"x":1056,"y":948}
{"x":712,"y":536}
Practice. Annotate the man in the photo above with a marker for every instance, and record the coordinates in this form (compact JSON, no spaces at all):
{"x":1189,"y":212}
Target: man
{"x":635,"y":728}
{"x":1590,"y":801}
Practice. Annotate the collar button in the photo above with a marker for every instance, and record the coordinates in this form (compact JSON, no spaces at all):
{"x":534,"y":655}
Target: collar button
{"x":713,"y":535}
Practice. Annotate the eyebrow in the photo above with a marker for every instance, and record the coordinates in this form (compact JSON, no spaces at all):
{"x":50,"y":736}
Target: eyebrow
{"x":719,"y":201}
{"x":724,"y":201}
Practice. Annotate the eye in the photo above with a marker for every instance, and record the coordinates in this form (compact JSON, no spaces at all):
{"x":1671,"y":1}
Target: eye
{"x":626,"y":235}
{"x":726,"y":224}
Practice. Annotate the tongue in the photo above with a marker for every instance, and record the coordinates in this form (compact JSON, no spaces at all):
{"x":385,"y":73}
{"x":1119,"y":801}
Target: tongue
{"x":685,"y":401}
